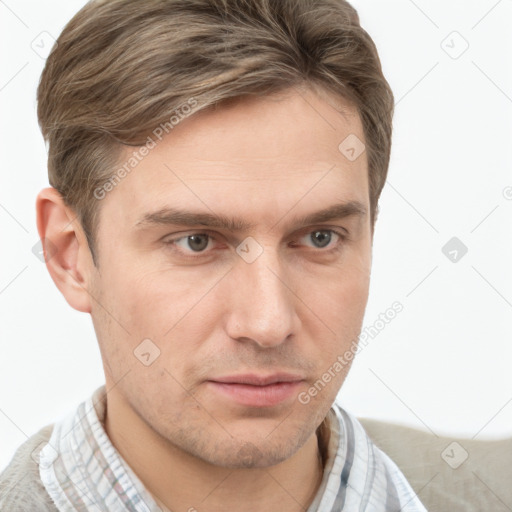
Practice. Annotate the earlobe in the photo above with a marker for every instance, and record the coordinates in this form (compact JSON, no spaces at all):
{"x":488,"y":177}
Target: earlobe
{"x":66,"y":252}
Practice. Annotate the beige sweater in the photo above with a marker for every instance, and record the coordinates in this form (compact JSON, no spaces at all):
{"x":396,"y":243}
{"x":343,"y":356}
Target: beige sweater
{"x":21,"y":489}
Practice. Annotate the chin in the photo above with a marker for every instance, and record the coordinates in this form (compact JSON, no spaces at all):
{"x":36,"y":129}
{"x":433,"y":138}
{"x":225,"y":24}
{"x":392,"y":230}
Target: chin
{"x":252,"y":454}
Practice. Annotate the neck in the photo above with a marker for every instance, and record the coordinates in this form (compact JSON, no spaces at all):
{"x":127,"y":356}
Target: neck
{"x":181,"y":482}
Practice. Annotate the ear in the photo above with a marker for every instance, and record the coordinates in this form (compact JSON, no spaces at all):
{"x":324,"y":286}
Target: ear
{"x":66,"y":252}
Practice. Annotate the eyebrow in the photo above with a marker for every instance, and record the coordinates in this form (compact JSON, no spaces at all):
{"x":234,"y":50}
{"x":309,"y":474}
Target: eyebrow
{"x":177,"y":217}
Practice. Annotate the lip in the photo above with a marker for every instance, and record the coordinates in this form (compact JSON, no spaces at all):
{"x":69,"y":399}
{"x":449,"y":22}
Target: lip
{"x":257,"y":390}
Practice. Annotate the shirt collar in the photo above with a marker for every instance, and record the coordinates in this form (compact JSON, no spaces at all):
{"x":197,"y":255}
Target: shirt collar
{"x":82,"y":470}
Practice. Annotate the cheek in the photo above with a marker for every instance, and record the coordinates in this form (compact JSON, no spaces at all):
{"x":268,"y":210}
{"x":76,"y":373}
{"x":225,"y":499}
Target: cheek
{"x":174,"y":310}
{"x":336,"y":314}
{"x":149,"y":298}
{"x":339,"y":296}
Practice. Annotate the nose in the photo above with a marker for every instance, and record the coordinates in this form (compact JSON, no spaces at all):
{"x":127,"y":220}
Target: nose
{"x":262,"y":306}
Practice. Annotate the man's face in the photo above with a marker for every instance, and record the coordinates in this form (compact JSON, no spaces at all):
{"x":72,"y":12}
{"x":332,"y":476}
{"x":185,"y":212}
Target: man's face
{"x":230,"y":329}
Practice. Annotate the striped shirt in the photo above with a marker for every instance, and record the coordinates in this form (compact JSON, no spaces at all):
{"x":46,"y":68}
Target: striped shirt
{"x":82,"y":471}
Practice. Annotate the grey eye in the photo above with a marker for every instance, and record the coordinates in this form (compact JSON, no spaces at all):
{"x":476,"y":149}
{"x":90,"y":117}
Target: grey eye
{"x":321,"y":238}
{"x":197,"y":242}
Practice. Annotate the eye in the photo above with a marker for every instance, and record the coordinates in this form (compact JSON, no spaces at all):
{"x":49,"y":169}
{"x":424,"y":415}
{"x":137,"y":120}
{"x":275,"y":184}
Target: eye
{"x":321,"y":238}
{"x":196,"y":245}
{"x":196,"y":242}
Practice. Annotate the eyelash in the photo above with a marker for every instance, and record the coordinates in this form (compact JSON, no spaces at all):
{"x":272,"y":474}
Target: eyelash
{"x":171,"y":243}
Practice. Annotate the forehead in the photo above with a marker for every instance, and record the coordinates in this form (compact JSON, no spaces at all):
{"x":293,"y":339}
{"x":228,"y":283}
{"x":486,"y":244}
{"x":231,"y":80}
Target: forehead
{"x":258,"y":156}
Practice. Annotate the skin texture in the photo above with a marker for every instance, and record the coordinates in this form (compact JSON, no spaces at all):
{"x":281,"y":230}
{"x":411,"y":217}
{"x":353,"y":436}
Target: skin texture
{"x":295,"y":308}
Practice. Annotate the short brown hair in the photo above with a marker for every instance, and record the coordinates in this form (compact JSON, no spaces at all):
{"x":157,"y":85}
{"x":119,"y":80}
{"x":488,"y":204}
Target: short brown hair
{"x":122,"y":67}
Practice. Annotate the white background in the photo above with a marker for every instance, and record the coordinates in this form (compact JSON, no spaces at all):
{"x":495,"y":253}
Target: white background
{"x":444,"y":362}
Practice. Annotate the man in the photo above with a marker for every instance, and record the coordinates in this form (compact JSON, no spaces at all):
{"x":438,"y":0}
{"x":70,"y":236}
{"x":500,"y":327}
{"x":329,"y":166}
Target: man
{"x":215,"y":169}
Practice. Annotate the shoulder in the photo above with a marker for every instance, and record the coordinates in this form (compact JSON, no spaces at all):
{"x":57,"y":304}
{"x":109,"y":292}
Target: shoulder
{"x":21,"y":488}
